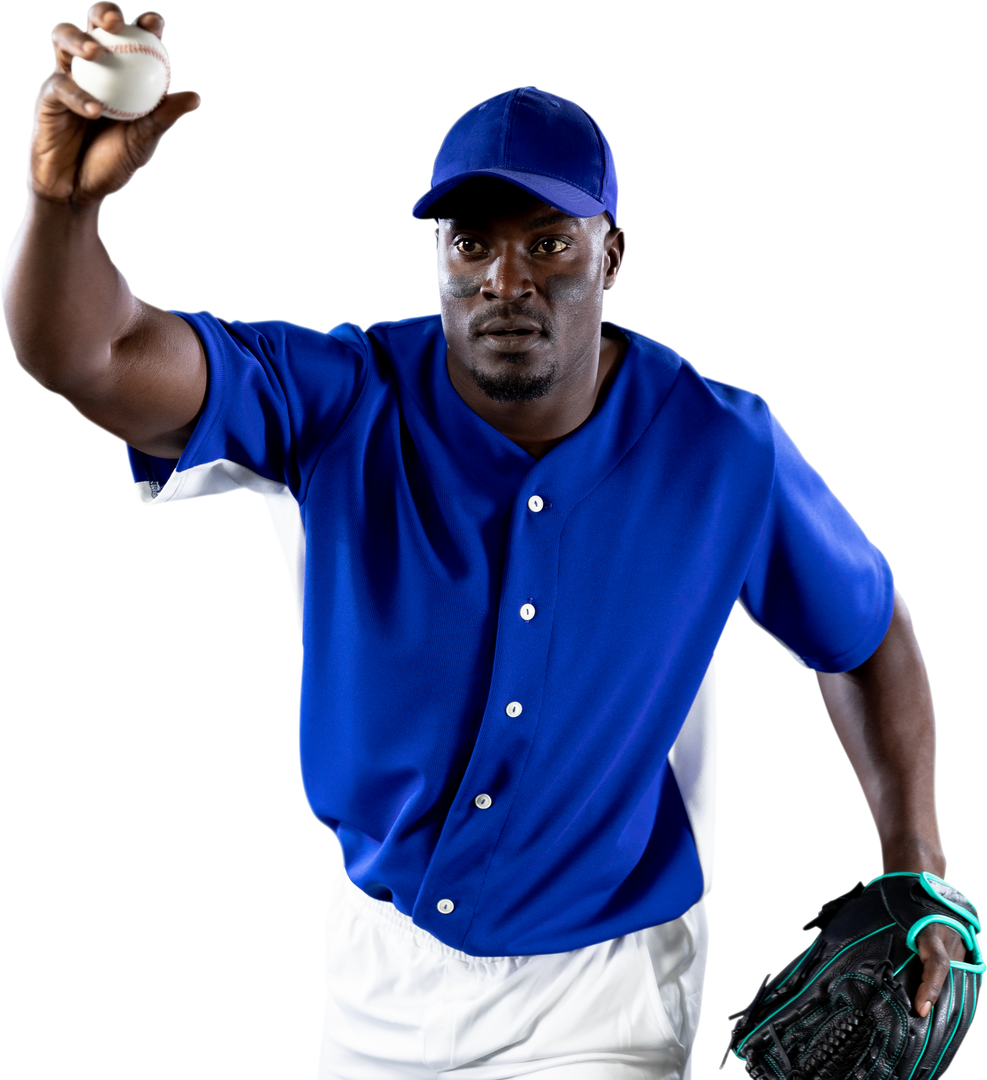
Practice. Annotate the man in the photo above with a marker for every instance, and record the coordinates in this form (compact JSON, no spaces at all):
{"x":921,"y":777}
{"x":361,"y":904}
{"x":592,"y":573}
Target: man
{"x":524,"y":530}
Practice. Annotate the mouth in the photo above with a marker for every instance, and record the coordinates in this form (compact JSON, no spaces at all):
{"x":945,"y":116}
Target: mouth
{"x":505,"y":328}
{"x":512,"y":340}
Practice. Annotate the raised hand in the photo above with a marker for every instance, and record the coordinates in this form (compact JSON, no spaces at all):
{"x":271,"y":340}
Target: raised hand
{"x":78,"y":156}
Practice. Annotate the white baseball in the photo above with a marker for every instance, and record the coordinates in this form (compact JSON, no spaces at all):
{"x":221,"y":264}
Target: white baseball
{"x":130,"y":78}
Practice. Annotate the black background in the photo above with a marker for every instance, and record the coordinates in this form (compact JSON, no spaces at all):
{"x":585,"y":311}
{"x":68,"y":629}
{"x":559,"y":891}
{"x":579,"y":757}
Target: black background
{"x":796,"y":212}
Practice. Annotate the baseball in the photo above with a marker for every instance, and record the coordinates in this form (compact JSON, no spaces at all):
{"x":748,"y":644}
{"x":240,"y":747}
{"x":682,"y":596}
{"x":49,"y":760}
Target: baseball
{"x":130,"y":78}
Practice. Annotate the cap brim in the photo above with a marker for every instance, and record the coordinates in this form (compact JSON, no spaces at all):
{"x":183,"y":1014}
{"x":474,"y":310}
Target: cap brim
{"x":564,"y":197}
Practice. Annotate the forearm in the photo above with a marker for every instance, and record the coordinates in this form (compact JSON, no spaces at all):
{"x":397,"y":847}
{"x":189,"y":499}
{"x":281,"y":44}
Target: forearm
{"x":883,"y":714}
{"x":65,"y":301}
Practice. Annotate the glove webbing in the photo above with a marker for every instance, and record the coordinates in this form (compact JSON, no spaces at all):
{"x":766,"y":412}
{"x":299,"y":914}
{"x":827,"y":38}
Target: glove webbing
{"x":790,"y":1073}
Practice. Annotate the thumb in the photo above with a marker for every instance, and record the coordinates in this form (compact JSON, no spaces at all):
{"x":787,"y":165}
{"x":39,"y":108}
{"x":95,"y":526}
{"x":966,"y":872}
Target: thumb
{"x":145,"y":135}
{"x":171,"y":108}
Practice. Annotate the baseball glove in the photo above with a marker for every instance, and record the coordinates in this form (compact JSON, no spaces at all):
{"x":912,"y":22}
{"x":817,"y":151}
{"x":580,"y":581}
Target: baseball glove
{"x":843,"y":1009}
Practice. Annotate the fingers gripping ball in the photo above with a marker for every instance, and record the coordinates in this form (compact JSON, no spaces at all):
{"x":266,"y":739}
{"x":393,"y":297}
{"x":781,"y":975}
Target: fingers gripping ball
{"x":130,"y":78}
{"x":843,"y":1009}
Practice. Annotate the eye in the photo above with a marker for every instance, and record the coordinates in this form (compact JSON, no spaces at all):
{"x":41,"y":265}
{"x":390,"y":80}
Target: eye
{"x":550,"y":246}
{"x":468,"y":246}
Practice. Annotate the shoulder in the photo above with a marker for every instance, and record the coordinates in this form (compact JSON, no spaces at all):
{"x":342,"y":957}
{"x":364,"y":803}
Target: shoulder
{"x":712,"y":405}
{"x":274,"y":340}
{"x":406,"y":336}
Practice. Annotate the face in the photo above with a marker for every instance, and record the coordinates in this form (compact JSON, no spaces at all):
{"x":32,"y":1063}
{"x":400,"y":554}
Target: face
{"x":521,"y":287}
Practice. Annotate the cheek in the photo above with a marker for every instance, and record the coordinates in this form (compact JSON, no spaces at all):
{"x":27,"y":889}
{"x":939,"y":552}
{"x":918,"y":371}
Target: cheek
{"x":456,"y":280}
{"x":568,"y":289}
{"x":461,"y":286}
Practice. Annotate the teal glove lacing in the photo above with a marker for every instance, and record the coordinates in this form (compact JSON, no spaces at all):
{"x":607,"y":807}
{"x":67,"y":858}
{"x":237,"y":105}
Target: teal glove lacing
{"x":967,"y":929}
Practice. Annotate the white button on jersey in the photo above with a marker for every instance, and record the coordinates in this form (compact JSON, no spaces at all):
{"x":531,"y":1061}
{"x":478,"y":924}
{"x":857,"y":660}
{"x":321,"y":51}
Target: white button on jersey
{"x":527,"y":612}
{"x":445,"y":906}
{"x":513,"y":708}
{"x":535,"y":503}
{"x":483,"y":801}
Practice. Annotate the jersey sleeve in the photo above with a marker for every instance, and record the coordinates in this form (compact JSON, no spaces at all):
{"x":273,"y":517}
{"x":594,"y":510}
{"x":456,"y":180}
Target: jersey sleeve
{"x":276,"y":396}
{"x":816,"y":582}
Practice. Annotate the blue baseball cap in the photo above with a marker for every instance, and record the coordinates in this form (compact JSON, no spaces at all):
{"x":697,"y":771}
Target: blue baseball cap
{"x":539,"y":142}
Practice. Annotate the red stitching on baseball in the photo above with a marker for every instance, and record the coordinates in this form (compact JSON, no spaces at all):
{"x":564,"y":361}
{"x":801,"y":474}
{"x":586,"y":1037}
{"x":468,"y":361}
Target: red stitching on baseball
{"x":116,"y":114}
{"x":133,"y":48}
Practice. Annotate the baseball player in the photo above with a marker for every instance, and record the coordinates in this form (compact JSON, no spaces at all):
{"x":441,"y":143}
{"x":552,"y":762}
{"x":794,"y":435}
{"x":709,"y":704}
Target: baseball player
{"x":523,"y":531}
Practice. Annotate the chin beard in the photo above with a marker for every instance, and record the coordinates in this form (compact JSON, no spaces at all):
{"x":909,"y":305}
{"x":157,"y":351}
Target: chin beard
{"x":514,"y":385}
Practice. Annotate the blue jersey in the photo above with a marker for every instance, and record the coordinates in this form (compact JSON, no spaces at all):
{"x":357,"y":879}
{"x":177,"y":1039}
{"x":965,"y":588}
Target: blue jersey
{"x":500,"y":652}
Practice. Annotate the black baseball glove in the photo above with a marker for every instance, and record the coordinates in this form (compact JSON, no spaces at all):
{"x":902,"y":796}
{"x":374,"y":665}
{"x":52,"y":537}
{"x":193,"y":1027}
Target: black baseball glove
{"x":843,"y":1009}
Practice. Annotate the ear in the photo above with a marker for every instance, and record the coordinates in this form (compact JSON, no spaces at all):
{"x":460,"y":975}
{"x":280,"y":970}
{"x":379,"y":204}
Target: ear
{"x":435,"y":267}
{"x":616,"y":253}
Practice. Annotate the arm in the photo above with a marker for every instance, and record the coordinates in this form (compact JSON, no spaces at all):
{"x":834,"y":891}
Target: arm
{"x":882,"y":712}
{"x":136,"y":370}
{"x":131,"y":368}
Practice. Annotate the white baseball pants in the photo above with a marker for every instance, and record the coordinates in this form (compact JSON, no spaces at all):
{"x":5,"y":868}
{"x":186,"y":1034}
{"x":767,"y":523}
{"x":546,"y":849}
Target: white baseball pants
{"x":403,"y":1006}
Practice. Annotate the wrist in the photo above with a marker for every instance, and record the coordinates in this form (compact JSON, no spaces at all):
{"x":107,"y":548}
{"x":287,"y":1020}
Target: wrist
{"x":41,"y":202}
{"x":913,"y":856}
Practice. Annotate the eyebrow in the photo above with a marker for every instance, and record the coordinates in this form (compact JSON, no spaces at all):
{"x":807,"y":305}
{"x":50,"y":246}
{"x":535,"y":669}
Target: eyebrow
{"x":555,"y":218}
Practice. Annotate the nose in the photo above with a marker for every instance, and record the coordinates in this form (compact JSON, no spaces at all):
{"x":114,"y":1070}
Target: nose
{"x":507,"y":278}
